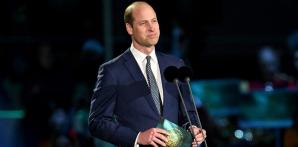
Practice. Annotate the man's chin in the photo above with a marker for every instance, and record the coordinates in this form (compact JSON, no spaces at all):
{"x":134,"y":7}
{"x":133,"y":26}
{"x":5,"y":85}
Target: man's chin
{"x":152,"y":43}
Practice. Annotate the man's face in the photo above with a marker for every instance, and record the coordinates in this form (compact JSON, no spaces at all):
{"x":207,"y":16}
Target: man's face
{"x":145,"y":28}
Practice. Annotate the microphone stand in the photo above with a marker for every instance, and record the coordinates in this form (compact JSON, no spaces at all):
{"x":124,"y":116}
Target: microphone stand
{"x":184,"y":106}
{"x":194,"y":105}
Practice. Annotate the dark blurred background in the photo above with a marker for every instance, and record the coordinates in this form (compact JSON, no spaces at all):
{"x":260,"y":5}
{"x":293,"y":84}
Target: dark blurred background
{"x":244,"y":55}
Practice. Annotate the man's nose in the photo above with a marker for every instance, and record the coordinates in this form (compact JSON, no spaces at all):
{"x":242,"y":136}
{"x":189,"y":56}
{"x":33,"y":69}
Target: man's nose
{"x":150,"y":26}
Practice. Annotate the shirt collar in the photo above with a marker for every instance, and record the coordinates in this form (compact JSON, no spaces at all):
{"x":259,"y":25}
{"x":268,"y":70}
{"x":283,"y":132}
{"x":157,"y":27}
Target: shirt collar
{"x":140,"y":57}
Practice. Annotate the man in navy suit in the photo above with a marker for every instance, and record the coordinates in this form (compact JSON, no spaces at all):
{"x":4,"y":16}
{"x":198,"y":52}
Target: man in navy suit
{"x":123,"y":109}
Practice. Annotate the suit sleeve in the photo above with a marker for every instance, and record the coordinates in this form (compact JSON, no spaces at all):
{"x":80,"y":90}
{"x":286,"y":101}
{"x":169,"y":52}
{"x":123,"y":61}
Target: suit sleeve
{"x":102,"y":120}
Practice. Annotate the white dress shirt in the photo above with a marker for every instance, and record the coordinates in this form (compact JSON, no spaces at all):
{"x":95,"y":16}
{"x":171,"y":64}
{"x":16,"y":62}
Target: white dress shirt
{"x":141,"y":60}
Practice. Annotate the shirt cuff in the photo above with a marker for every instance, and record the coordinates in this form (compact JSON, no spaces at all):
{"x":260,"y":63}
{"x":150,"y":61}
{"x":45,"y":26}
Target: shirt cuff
{"x":136,"y":141}
{"x":186,"y":125}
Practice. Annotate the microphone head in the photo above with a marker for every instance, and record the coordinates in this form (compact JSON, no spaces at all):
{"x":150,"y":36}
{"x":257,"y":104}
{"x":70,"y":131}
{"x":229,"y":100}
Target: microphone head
{"x":184,"y":73}
{"x":171,"y":73}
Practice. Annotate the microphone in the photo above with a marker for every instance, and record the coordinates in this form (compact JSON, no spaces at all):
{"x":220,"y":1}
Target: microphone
{"x":185,"y":73}
{"x":171,"y":74}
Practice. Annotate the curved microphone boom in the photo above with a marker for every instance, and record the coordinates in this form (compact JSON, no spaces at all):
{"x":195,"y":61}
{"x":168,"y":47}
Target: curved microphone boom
{"x":185,"y":73}
{"x":171,"y":74}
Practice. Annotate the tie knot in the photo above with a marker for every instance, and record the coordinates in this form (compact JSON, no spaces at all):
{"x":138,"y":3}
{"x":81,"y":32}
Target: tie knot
{"x":148,"y":58}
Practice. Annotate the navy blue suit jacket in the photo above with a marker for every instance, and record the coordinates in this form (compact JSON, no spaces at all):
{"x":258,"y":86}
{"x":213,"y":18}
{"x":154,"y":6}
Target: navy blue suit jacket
{"x":121,"y":105}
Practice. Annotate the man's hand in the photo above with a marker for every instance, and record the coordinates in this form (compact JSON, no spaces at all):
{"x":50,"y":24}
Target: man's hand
{"x":200,"y":135}
{"x":154,"y":137}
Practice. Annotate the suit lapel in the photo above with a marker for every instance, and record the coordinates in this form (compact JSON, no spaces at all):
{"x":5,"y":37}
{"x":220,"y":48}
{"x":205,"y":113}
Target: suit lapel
{"x":162,"y":65}
{"x":134,"y":69}
{"x":167,"y":95}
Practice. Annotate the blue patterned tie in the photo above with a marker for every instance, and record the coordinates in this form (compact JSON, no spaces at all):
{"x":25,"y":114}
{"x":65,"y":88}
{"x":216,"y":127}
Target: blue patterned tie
{"x":153,"y":85}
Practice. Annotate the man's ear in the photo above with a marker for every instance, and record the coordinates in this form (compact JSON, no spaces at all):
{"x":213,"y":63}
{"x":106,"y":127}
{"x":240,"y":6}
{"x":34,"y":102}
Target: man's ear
{"x":128,"y":28}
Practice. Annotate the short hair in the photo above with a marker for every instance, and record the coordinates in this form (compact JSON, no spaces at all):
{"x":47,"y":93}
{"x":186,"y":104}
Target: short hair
{"x":128,"y":18}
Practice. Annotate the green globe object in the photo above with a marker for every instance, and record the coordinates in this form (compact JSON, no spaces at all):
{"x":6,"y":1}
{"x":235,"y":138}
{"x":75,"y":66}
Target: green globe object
{"x":179,"y":137}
